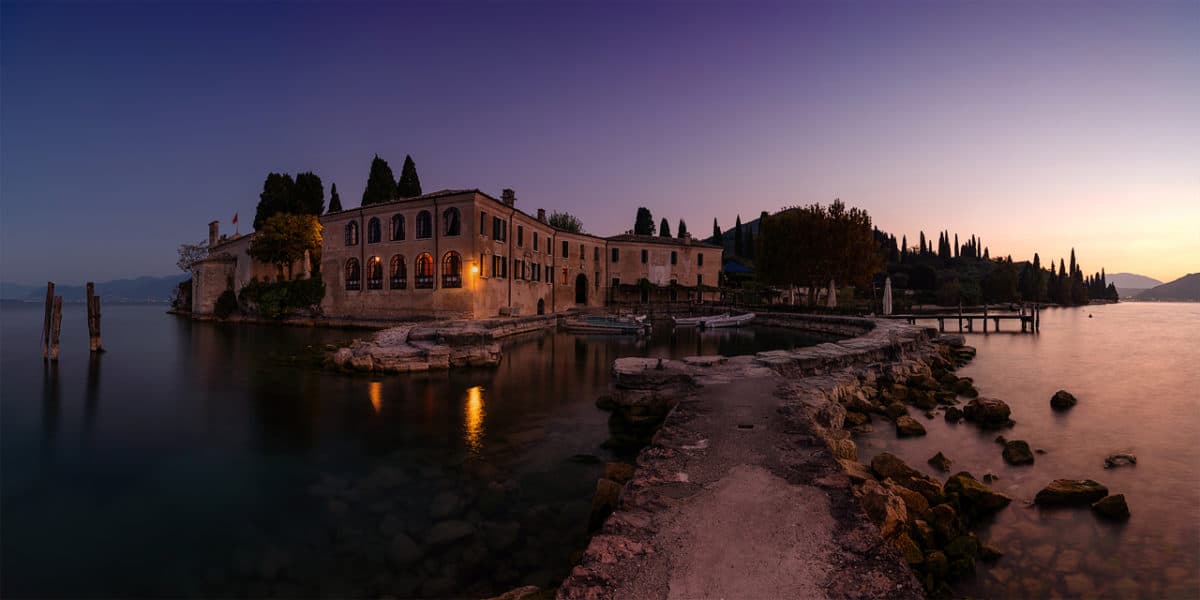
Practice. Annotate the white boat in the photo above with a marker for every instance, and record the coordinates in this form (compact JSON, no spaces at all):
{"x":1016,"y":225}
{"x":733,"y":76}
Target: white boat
{"x":688,"y":321}
{"x":728,"y":321}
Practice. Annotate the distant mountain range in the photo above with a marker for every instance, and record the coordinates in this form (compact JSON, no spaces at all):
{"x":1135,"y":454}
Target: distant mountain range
{"x":138,"y":289}
{"x":1131,"y":284}
{"x":1184,"y":289}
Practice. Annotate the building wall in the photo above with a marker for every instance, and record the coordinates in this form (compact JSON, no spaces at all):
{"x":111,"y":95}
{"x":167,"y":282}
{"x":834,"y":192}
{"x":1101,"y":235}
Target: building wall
{"x":229,"y":266}
{"x":688,"y":268}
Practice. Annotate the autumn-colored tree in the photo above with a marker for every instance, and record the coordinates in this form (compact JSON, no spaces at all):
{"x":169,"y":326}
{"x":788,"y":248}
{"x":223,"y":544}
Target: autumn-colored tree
{"x":284,"y":238}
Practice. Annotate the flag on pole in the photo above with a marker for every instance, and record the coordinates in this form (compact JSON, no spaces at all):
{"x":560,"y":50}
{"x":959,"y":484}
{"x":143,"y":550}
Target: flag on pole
{"x":236,"y":230}
{"x":235,"y":218}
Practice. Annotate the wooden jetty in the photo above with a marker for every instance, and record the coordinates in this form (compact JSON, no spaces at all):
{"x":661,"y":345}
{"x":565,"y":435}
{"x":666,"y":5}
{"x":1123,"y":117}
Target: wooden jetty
{"x":1030,"y":319}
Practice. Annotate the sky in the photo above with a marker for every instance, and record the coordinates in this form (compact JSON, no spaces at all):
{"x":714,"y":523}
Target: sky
{"x":1040,"y":126}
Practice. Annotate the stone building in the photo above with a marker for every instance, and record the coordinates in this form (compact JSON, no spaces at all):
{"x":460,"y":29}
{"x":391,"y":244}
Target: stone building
{"x":229,"y":266}
{"x":466,"y":254}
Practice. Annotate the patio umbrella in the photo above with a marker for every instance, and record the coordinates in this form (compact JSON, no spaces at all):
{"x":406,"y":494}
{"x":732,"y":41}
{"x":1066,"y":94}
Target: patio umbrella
{"x":887,"y":296}
{"x":832,"y":295}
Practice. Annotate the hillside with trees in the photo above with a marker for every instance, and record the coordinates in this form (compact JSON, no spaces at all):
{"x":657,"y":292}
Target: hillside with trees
{"x":1184,"y":289}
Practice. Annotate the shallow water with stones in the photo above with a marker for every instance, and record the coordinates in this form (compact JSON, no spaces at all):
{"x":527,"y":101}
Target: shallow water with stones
{"x":1135,"y":368}
{"x":202,"y":459}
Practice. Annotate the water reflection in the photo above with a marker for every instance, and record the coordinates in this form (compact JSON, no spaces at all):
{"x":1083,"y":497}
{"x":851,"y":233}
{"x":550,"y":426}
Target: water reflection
{"x":92,"y":395}
{"x":51,"y":403}
{"x":473,"y":419}
{"x":375,"y":393}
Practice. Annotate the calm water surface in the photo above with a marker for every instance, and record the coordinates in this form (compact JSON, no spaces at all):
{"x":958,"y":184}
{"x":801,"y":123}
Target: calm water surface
{"x":213,"y":460}
{"x":1135,"y":369}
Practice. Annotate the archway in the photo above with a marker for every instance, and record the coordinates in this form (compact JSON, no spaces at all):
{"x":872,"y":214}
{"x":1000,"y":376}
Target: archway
{"x":541,"y":306}
{"x":580,"y":289}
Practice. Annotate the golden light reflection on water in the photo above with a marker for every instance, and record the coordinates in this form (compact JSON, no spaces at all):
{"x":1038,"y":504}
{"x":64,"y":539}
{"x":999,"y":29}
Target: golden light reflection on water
{"x":473,"y":414}
{"x":375,"y":392}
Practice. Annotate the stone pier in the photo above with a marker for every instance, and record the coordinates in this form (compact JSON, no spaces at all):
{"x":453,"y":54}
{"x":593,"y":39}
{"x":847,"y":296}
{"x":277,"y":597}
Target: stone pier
{"x":743,"y":492}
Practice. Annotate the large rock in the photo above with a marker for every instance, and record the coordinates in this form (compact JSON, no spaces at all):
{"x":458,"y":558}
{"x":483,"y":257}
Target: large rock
{"x":895,"y":410}
{"x":854,"y":418}
{"x":1062,"y":400}
{"x":1112,"y":507}
{"x":940,"y":462}
{"x":907,"y":426}
{"x":886,"y":509}
{"x":988,"y":413}
{"x":1070,"y":492}
{"x":1118,"y":459}
{"x":973,"y":498}
{"x":916,"y":504}
{"x":857,"y":471}
{"x":1017,"y":452}
{"x":618,"y":471}
{"x":965,"y":387}
{"x":608,"y":493}
{"x":888,"y":465}
{"x":953,"y":414}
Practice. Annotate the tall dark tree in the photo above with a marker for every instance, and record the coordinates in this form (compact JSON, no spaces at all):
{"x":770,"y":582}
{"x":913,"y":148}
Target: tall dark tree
{"x":308,"y":195}
{"x":922,"y":243}
{"x":644,"y":224}
{"x":904,"y":248}
{"x":810,"y":245}
{"x":409,"y":185}
{"x":335,"y":201}
{"x":1039,"y":282}
{"x":381,"y":184}
{"x":664,"y":228}
{"x":716,"y":236}
{"x":681,"y":232}
{"x":956,"y":246}
{"x":739,"y":247}
{"x":275,"y":198}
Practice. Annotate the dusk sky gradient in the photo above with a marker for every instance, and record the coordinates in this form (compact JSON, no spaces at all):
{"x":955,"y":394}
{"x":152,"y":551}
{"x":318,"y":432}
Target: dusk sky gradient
{"x":126,"y":128}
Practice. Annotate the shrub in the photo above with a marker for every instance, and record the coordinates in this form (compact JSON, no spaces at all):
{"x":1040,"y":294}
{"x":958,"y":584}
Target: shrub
{"x":277,"y":300}
{"x":227,"y":304}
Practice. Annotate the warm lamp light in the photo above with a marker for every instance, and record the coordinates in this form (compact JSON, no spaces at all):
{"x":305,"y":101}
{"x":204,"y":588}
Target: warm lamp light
{"x":474,"y":269}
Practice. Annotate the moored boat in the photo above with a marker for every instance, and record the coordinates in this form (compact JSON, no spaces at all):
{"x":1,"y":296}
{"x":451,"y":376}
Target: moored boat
{"x":728,"y":321}
{"x":690,"y":321}
{"x":606,"y":325}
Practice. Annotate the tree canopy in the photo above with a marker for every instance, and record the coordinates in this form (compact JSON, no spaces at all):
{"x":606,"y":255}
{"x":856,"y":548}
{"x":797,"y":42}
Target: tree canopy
{"x":644,"y":225}
{"x":813,"y":244}
{"x":381,"y":184}
{"x":308,"y":194}
{"x":275,"y":198}
{"x":566,"y":222}
{"x":681,"y":231}
{"x":739,"y":244}
{"x":716,"y":236}
{"x":284,"y":238}
{"x":664,"y":228}
{"x":190,"y":254}
{"x":409,"y":185}
{"x":335,"y":201}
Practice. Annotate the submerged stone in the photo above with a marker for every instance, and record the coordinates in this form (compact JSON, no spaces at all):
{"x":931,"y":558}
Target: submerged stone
{"x":1112,"y":507}
{"x":1017,"y":452}
{"x":1062,"y":400}
{"x":1070,"y":492}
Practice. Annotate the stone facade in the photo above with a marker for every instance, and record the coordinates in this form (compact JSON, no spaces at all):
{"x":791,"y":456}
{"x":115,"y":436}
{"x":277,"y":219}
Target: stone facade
{"x":229,"y":267}
{"x":465,"y":254}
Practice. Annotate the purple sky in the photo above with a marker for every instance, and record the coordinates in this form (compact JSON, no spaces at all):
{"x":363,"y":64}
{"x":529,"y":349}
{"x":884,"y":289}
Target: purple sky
{"x":124,"y":129}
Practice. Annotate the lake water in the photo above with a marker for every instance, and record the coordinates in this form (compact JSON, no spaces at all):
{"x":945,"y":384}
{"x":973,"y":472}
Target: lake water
{"x":201,"y":459}
{"x":1135,"y":368}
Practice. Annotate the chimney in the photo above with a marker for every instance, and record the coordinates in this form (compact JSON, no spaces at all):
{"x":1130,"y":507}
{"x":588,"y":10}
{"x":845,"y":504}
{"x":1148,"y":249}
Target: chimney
{"x":213,"y":229}
{"x":508,"y":196}
{"x":541,"y":215}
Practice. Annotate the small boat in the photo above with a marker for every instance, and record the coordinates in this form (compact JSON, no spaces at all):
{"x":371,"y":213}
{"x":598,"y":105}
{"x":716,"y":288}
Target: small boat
{"x":606,"y":325}
{"x":728,"y":321}
{"x":689,"y":321}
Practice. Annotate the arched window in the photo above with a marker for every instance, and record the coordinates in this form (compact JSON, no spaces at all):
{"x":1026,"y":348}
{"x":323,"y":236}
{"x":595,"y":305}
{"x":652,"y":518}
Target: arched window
{"x":373,"y":232}
{"x":374,"y":273}
{"x":397,"y":228}
{"x":451,"y":224}
{"x":424,"y":225}
{"x":352,"y":233}
{"x":399,"y":273}
{"x":452,"y":270}
{"x":424,"y":269}
{"x":353,"y":274}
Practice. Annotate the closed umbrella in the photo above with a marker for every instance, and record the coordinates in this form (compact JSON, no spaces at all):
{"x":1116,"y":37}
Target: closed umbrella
{"x":887,"y":296}
{"x":832,"y":295}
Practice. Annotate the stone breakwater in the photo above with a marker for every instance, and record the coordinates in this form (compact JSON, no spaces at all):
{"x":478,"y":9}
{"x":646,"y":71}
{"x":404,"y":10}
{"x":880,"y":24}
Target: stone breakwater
{"x":434,"y":346}
{"x":751,"y":487}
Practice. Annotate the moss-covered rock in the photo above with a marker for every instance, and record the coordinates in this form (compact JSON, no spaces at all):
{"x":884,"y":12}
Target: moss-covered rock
{"x":1070,"y":492}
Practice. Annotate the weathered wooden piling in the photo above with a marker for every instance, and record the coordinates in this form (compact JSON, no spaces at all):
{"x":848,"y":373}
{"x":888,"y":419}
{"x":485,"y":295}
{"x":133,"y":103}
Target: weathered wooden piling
{"x":55,"y":328}
{"x":93,"y":319}
{"x":46,"y":322}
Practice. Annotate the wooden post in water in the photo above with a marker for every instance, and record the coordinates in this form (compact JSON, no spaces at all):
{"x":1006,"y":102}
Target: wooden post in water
{"x":46,"y":322}
{"x":960,"y":316}
{"x":985,"y":317}
{"x":55,"y":328}
{"x":93,"y":319}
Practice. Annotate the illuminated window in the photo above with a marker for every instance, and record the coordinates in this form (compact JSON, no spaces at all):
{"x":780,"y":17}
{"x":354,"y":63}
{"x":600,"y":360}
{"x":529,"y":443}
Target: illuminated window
{"x":452,"y":270}
{"x":424,"y":275}
{"x":374,"y":273}
{"x":399,"y":273}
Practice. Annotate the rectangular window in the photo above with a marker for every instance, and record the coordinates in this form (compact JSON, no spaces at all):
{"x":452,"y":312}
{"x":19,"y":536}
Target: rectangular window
{"x":700,"y":260}
{"x":582,"y":254}
{"x":596,"y":253}
{"x":503,"y":267}
{"x":645,"y":256}
{"x":520,"y":235}
{"x":482,"y":272}
{"x":674,"y":256}
{"x":566,"y":247}
{"x":535,"y":241}
{"x":616,"y":255}
{"x":549,"y":273}
{"x":482,"y":223}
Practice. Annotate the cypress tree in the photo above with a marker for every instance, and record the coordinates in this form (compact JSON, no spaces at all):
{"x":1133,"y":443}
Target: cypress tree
{"x":409,"y":185}
{"x":716,"y":236}
{"x":275,"y":198}
{"x":644,"y":224}
{"x":738,"y":247}
{"x":957,"y":249}
{"x":308,"y":196}
{"x":381,"y":185}
{"x":335,"y":201}
{"x":1073,"y":265}
{"x":903,"y":248}
{"x":922,"y":243}
{"x":681,"y":231}
{"x":664,"y":228}
{"x":985,"y":254}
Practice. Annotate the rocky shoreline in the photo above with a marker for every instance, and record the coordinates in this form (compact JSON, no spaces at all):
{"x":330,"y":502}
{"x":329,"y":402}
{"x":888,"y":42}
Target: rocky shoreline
{"x":433,"y":346}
